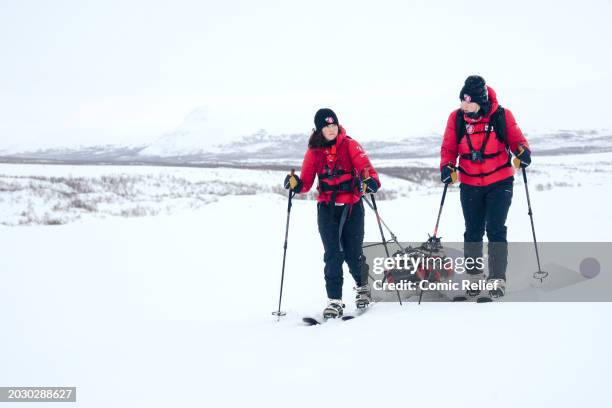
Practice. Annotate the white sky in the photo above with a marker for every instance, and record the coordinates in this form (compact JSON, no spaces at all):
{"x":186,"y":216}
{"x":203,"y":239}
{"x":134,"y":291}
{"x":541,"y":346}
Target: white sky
{"x":85,"y":72}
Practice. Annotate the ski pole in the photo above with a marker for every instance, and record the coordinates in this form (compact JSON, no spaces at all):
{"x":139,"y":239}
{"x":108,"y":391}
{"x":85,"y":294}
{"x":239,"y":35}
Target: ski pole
{"x":433,"y":243}
{"x":278,"y":312}
{"x":540,"y":274}
{"x":435,"y":234}
{"x":378,"y":220}
{"x":384,"y":240}
{"x":393,"y":237}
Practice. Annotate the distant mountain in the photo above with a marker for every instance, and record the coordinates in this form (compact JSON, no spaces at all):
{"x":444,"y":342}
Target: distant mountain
{"x":571,"y":142}
{"x":194,"y":136}
{"x":261,"y":147}
{"x":108,"y":153}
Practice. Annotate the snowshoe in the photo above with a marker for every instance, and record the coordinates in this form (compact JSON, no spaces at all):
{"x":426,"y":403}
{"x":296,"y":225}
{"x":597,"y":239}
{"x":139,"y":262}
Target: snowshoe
{"x":363,"y":298}
{"x":334,"y":309}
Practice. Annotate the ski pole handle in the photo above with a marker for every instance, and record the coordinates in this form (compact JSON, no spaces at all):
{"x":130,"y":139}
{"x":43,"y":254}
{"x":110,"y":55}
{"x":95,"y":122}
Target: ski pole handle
{"x":291,"y":182}
{"x":291,"y":193}
{"x":365,"y":174}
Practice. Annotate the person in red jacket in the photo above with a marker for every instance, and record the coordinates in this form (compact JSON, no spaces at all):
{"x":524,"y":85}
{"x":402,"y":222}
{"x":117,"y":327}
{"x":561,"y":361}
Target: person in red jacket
{"x":482,"y":135}
{"x":343,"y":170}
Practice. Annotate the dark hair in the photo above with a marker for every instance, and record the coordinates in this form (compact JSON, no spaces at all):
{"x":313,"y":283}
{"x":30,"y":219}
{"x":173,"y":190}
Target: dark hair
{"x":316,"y":139}
{"x":485,"y":108}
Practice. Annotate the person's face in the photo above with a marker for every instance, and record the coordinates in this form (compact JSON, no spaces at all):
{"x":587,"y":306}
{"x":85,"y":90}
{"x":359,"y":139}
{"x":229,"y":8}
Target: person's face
{"x":330,"y":132}
{"x":469,"y":107}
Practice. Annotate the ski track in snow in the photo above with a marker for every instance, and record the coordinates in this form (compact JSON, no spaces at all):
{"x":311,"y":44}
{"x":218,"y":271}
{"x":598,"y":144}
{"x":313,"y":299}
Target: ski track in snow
{"x":174,"y":310}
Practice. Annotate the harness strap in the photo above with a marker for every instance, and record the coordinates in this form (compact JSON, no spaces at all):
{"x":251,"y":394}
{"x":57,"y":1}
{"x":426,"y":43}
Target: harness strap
{"x":333,"y":174}
{"x":480,"y":154}
{"x":484,"y":156}
{"x":507,"y":164}
{"x":345,"y":213}
{"x":345,"y":186}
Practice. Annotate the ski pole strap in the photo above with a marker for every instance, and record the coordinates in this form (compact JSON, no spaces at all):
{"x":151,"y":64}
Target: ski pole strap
{"x":289,"y":203}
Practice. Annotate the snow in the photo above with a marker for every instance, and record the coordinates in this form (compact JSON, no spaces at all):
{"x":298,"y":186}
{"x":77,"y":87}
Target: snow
{"x":174,"y":310}
{"x":51,"y":194}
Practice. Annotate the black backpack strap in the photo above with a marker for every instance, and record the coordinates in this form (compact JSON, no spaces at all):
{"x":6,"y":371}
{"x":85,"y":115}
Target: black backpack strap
{"x":489,"y":129}
{"x":459,"y":125}
{"x":498,"y":119}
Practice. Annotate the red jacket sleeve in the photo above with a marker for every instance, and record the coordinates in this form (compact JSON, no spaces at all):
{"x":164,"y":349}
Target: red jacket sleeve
{"x":360,"y":160}
{"x":308,"y":171}
{"x":514,"y":135}
{"x":450,"y":148}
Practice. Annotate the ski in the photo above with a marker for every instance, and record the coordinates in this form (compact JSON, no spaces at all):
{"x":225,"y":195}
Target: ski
{"x":488,"y":299}
{"x":353,"y":315}
{"x":315,"y":321}
{"x":358,"y":312}
{"x":311,"y":321}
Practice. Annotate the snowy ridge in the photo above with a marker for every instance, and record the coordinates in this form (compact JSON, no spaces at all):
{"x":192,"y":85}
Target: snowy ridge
{"x":186,"y":146}
{"x":264,"y":146}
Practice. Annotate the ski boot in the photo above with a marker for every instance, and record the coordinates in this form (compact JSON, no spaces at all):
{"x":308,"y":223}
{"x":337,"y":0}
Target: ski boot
{"x":474,"y":278}
{"x":500,"y":288}
{"x":458,"y":294}
{"x":363,"y":298}
{"x":334,"y":309}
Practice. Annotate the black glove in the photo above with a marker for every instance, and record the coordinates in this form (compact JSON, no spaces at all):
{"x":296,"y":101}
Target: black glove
{"x":448,"y":173}
{"x":293,"y":182}
{"x":522,"y":157}
{"x":370,"y":185}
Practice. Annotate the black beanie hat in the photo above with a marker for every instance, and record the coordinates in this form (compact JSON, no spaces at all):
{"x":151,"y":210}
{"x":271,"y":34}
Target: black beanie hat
{"x":475,"y":90}
{"x":325,"y":117}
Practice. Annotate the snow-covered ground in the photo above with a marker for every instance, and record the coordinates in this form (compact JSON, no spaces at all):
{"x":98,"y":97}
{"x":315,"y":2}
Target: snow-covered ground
{"x":59,"y":194}
{"x":174,"y":310}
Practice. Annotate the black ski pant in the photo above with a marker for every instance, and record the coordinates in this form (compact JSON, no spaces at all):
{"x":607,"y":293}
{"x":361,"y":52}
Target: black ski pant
{"x":485,"y":209}
{"x":329,"y":219}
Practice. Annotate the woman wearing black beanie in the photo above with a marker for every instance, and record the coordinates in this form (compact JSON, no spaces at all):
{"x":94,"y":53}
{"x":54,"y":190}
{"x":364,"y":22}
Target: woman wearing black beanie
{"x":482,"y":135}
{"x":341,"y":165}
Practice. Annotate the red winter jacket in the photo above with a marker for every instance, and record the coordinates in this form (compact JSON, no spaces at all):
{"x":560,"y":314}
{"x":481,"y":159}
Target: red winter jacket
{"x":469,"y":171}
{"x":350,"y":160}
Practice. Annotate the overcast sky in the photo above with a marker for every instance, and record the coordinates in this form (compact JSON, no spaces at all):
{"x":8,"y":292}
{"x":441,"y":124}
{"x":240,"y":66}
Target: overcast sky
{"x":88,"y":72}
